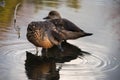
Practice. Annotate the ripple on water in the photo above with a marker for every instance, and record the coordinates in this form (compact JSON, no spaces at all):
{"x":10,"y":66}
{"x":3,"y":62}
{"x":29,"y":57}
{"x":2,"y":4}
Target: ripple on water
{"x":12,"y":59}
{"x":95,"y":65}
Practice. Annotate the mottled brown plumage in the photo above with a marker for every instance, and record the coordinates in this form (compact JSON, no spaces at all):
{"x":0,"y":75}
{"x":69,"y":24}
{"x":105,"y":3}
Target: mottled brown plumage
{"x":43,"y":34}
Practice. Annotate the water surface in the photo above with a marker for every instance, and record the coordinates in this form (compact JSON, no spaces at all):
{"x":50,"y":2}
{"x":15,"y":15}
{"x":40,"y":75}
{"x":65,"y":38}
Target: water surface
{"x":100,"y":17}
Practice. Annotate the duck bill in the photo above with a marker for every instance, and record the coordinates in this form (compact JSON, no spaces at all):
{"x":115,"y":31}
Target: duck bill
{"x":46,"y":17}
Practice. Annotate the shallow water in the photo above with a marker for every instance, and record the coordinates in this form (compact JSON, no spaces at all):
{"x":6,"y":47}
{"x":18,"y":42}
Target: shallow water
{"x":100,"y":17}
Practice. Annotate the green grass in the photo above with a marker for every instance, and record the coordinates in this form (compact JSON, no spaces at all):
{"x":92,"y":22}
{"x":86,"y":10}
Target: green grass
{"x":7,"y":12}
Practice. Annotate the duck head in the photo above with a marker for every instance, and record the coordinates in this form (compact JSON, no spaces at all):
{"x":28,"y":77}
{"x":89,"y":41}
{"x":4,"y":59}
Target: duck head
{"x":32,"y":27}
{"x":53,"y":15}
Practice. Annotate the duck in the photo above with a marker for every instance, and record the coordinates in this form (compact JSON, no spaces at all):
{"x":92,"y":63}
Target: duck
{"x":67,"y":29}
{"x":43,"y":34}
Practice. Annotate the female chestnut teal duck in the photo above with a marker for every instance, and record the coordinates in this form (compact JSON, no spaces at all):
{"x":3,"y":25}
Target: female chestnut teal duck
{"x":43,"y":34}
{"x":66,"y":28}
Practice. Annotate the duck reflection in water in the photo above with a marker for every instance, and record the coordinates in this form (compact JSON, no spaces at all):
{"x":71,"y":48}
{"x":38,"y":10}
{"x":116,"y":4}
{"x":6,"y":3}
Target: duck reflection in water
{"x":44,"y":68}
{"x":41,"y":68}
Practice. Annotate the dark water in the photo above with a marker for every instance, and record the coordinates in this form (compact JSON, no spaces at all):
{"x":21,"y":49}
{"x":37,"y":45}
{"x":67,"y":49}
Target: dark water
{"x":101,"y":17}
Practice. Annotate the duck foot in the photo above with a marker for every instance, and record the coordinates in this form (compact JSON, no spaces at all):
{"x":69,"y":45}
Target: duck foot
{"x":60,"y":47}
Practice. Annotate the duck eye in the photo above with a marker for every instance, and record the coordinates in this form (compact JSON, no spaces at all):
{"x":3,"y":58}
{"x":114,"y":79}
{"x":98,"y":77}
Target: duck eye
{"x":29,"y":29}
{"x":52,"y":14}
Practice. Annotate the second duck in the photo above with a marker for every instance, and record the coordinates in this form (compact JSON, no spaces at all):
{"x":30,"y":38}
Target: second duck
{"x":66,"y":28}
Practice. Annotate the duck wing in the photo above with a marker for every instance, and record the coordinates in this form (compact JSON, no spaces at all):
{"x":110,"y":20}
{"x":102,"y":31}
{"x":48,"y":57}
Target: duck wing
{"x":55,"y":37}
{"x":70,"y":26}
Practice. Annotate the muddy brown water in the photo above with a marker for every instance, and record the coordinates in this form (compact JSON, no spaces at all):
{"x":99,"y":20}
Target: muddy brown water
{"x":100,"y":17}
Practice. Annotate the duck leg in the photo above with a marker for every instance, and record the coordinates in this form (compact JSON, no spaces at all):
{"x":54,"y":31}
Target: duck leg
{"x":60,"y":47}
{"x":36,"y":51}
{"x":46,"y":52}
